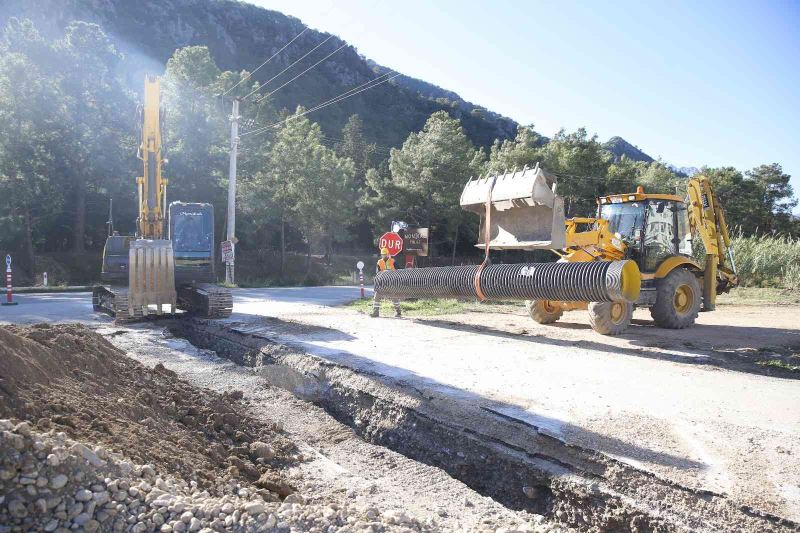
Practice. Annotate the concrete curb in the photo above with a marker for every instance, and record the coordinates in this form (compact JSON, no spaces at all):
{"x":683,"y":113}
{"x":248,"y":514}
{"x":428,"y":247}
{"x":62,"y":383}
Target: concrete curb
{"x":40,"y":290}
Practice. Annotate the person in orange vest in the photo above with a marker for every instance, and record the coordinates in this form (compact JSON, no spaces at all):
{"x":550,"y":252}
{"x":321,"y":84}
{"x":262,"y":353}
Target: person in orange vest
{"x":386,"y":262}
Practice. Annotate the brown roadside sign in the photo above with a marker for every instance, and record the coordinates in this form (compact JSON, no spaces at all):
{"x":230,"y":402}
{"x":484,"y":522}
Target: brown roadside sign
{"x":415,"y":241}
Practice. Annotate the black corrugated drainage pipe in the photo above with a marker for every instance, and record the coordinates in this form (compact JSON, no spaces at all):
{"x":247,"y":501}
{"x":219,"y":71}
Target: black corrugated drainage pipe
{"x":596,"y":281}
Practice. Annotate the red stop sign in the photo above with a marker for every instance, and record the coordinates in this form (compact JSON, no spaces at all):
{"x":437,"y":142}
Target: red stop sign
{"x":392,"y":242}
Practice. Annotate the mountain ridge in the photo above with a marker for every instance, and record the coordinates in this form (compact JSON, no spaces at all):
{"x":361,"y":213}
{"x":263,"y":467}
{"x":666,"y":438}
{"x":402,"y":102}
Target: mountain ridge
{"x":620,"y":148}
{"x":241,"y":35}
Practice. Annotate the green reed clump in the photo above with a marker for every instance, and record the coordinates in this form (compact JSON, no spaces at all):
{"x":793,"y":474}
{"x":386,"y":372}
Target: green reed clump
{"x":764,"y":260}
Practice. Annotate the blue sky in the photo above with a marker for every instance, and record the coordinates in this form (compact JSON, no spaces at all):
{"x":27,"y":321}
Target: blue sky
{"x":696,"y":83}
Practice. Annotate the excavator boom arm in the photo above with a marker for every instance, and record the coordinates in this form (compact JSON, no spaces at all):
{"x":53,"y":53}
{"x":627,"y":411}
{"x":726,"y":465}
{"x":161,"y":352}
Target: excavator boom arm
{"x":151,"y":185}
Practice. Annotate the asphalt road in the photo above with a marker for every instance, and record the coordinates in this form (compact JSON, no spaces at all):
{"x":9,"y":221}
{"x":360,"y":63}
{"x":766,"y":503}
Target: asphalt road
{"x":77,"y":306}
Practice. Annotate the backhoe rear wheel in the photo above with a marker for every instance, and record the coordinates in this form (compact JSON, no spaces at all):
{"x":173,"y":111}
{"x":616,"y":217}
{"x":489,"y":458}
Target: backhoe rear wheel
{"x":678,"y":300}
{"x":610,"y":318}
{"x":544,"y":311}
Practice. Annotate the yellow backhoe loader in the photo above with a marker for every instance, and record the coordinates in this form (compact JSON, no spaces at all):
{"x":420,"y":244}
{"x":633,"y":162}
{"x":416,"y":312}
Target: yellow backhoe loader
{"x":654,"y":230}
{"x":154,"y":272}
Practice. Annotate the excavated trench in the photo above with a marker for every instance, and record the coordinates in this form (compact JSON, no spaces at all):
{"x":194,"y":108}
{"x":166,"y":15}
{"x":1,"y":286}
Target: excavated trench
{"x":511,"y":461}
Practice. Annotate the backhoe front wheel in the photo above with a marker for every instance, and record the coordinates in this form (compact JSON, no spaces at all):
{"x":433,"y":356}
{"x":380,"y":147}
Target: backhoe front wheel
{"x":678,"y":300}
{"x":544,"y":311}
{"x":610,"y":318}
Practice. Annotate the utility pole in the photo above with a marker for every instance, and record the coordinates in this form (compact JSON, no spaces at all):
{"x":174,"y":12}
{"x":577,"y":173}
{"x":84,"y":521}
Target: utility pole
{"x":231,"y":236}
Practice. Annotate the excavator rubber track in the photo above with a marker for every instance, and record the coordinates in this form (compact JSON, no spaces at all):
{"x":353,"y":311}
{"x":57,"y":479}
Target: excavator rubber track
{"x":203,"y":300}
{"x":114,"y":302}
{"x":206,"y":300}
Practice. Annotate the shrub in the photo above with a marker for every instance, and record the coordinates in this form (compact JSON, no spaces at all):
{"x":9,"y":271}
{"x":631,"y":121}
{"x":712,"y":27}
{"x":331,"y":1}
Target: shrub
{"x":763,"y":260}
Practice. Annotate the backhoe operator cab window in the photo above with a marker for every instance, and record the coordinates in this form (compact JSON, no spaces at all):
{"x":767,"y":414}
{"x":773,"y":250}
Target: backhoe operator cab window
{"x":652,"y":229}
{"x":625,"y":219}
{"x":659,"y":234}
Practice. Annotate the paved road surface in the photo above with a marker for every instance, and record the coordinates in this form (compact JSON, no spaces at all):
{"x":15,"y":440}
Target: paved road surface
{"x":77,"y":306}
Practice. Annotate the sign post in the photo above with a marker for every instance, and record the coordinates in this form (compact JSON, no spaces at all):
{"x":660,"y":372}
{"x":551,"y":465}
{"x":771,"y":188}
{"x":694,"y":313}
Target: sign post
{"x":360,"y":267}
{"x":227,"y":252}
{"x":9,"y":286}
{"x":392,"y":242}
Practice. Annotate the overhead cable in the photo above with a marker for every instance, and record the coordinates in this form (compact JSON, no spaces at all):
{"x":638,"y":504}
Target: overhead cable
{"x":352,"y":92}
{"x":261,"y":86}
{"x":306,"y":70}
{"x":273,"y":56}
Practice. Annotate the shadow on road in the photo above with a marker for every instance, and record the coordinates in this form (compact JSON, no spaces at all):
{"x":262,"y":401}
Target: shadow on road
{"x":269,"y":327}
{"x":532,"y":431}
{"x":741,"y":358}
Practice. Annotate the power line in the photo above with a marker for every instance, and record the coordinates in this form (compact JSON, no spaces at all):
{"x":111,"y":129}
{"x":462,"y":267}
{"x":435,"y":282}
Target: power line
{"x":261,"y":86}
{"x":306,"y":70}
{"x":334,"y":100}
{"x":273,"y":56}
{"x":335,"y":97}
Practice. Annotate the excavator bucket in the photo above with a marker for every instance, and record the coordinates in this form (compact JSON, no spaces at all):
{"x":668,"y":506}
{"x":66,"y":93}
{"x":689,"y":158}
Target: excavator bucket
{"x":151,"y":277}
{"x":525,"y":212}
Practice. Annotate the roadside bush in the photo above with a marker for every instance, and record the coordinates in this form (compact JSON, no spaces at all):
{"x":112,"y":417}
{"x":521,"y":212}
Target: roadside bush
{"x":763,"y":260}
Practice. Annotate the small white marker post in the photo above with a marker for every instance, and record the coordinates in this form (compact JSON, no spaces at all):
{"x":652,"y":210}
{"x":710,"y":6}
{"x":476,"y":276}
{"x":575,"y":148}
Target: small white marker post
{"x":360,"y":267}
{"x":44,"y":279}
{"x":9,"y":287}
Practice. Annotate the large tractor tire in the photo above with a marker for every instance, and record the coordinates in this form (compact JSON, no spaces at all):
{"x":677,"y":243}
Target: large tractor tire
{"x":678,"y":300}
{"x":610,"y":318}
{"x":544,"y":311}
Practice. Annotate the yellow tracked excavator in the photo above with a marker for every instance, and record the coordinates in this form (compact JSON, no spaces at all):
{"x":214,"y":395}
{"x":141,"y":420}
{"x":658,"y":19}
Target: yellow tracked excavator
{"x":154,"y":272}
{"x":523,"y":212}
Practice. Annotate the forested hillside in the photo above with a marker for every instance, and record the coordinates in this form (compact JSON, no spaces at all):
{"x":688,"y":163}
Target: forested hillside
{"x":240,"y":36}
{"x":310,"y":181}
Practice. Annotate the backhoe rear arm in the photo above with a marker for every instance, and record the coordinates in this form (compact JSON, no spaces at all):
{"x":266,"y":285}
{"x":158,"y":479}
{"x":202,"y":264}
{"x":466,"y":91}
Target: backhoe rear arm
{"x":707,"y":218}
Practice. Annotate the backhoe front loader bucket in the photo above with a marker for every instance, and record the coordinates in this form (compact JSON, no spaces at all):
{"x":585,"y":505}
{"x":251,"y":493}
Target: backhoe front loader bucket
{"x":151,"y":277}
{"x":525,"y":212}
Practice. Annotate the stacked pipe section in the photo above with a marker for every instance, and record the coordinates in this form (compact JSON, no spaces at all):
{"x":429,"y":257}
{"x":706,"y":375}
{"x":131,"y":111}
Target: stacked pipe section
{"x":596,"y":281}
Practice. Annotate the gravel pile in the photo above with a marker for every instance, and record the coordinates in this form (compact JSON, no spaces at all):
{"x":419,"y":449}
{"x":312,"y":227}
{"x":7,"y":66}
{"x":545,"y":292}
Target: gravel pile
{"x":91,"y":440}
{"x":49,"y":482}
{"x":69,"y":378}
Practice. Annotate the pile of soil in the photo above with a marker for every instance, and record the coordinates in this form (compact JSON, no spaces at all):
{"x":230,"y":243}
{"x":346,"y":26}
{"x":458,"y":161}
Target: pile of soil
{"x":68,"y":378}
{"x":91,"y":440}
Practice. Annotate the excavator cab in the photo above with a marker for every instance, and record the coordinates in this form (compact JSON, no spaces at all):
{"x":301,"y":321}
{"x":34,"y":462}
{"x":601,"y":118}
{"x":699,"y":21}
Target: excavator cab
{"x":520,"y":209}
{"x":191,"y":230}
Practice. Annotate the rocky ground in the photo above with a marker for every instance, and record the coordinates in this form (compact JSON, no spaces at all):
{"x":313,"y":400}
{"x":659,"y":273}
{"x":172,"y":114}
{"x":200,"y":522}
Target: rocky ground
{"x":70,"y":379}
{"x":50,"y":482}
{"x":107,"y":443}
{"x":93,"y":440}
